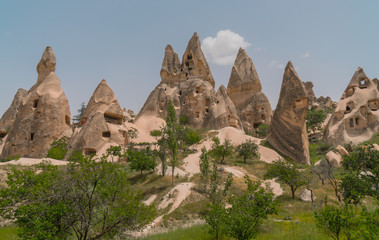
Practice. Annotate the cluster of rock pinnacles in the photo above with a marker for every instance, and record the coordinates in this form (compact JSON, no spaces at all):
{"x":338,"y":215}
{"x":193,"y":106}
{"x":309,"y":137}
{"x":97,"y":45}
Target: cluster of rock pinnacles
{"x":41,"y":115}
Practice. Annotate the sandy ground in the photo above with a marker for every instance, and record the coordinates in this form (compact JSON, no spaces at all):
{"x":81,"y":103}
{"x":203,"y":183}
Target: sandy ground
{"x":144,"y":125}
{"x":150,"y":200}
{"x":176,"y":196}
{"x":33,"y":161}
{"x":277,"y":190}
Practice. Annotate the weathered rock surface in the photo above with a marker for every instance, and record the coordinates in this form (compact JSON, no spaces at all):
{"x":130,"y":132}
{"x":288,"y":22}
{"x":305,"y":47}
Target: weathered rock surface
{"x":43,"y":115}
{"x":102,"y":123}
{"x":287,"y":131}
{"x":245,"y":90}
{"x":311,"y":95}
{"x":317,"y":103}
{"x":190,"y":87}
{"x":356,"y":117}
{"x":307,"y":195}
{"x":334,"y":158}
{"x":9,"y":116}
{"x":342,"y":150}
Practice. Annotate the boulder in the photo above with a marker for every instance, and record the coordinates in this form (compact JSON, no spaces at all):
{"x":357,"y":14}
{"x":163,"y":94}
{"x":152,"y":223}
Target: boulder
{"x":9,"y":116}
{"x":101,"y":125}
{"x":245,"y":90}
{"x":287,"y":132}
{"x":306,"y":194}
{"x":334,"y":158}
{"x":342,"y":150}
{"x":356,"y":117}
{"x":43,"y":115}
{"x":190,"y":87}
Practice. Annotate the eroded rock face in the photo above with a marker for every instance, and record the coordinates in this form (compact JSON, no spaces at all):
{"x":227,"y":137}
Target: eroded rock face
{"x":190,"y":87}
{"x":287,"y":131}
{"x":9,"y":116}
{"x":245,"y":90}
{"x":43,"y":115}
{"x":102,"y":123}
{"x":356,"y":117}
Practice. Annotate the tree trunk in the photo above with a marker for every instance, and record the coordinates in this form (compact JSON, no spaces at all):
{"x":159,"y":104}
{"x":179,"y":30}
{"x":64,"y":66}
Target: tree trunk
{"x":244,"y":159}
{"x":293,"y":192}
{"x":163,"y":168}
{"x":173,"y":177}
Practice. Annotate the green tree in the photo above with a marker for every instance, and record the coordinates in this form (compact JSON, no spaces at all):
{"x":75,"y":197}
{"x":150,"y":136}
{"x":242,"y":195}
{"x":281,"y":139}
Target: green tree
{"x":262,"y":130}
{"x":79,"y":116}
{"x":219,"y":152}
{"x":217,"y":192}
{"x":170,"y":134}
{"x":204,"y":166}
{"x":114,"y":151}
{"x":141,"y":160}
{"x":58,"y":149}
{"x":248,"y":149}
{"x":98,"y":203}
{"x":248,"y":211}
{"x":362,"y":176}
{"x":315,"y":118}
{"x":286,"y":173}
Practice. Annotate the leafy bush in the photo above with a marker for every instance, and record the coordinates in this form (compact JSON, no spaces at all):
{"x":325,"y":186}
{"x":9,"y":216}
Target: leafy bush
{"x":58,"y":149}
{"x":183,"y":119}
{"x":262,"y":130}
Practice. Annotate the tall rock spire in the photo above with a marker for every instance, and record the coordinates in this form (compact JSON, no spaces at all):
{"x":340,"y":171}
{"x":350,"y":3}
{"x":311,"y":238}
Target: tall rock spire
{"x":194,"y":63}
{"x":101,"y":125}
{"x":356,"y":117}
{"x":43,"y":115}
{"x":288,"y":133}
{"x":171,"y":70}
{"x":244,"y":89}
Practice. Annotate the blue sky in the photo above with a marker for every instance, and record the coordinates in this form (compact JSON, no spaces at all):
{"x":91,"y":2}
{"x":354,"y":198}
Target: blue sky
{"x":123,"y":42}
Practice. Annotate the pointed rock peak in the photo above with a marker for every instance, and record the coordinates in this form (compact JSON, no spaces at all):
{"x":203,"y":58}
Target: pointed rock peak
{"x":48,"y":61}
{"x":291,"y":75}
{"x":169,"y":48}
{"x":243,"y":78}
{"x":194,"y":63}
{"x":359,"y":78}
{"x":222,"y":89}
{"x":170,"y":70}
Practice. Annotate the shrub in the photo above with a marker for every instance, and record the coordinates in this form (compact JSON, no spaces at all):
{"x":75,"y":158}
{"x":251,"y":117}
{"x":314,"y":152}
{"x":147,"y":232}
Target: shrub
{"x":58,"y":149}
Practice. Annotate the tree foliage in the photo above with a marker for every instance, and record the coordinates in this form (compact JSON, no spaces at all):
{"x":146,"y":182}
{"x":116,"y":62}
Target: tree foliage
{"x":58,"y":149}
{"x":220,"y":151}
{"x":362,"y":177}
{"x":141,"y":160}
{"x":286,"y":173}
{"x":315,"y":118}
{"x":248,"y":149}
{"x":98,"y":203}
{"x":79,"y":116}
{"x":248,"y":211}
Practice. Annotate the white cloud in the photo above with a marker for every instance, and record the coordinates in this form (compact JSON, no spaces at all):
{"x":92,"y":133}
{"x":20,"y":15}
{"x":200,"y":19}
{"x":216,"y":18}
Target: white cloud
{"x":275,"y":63}
{"x":223,"y":49}
{"x":306,"y":55}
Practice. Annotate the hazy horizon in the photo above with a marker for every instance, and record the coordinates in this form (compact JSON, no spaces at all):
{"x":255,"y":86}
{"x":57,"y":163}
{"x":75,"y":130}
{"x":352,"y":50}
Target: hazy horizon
{"x":123,"y":42}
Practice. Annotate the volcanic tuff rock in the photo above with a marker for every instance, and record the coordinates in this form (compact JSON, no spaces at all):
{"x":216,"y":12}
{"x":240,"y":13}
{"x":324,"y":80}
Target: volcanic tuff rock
{"x":43,"y":115}
{"x":288,"y":132}
{"x":9,"y":116}
{"x":245,"y":90}
{"x":356,"y":117}
{"x":101,"y":124}
{"x":190,"y":87}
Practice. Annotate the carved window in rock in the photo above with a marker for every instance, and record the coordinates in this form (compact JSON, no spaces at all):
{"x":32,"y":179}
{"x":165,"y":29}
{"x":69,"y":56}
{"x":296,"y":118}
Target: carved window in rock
{"x":199,"y":89}
{"x":35,"y":103}
{"x":113,"y":118}
{"x":351,"y":123}
{"x":263,"y":117}
{"x":357,"y":122}
{"x":3,"y":134}
{"x":89,"y":151}
{"x":32,"y":136}
{"x":349,"y":107}
{"x":67,"y":120}
{"x":197,"y":114}
{"x":106,"y":134}
{"x":299,"y":104}
{"x":363,"y":83}
{"x":162,"y":105}
{"x":206,"y":110}
{"x":349,"y":92}
{"x":373,"y":104}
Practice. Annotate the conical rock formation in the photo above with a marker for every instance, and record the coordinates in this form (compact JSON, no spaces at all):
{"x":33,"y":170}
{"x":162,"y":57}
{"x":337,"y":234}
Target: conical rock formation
{"x":102,"y":123}
{"x":356,"y":117}
{"x":245,"y":90}
{"x":43,"y":115}
{"x":9,"y":116}
{"x":190,"y":87}
{"x":288,"y":133}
